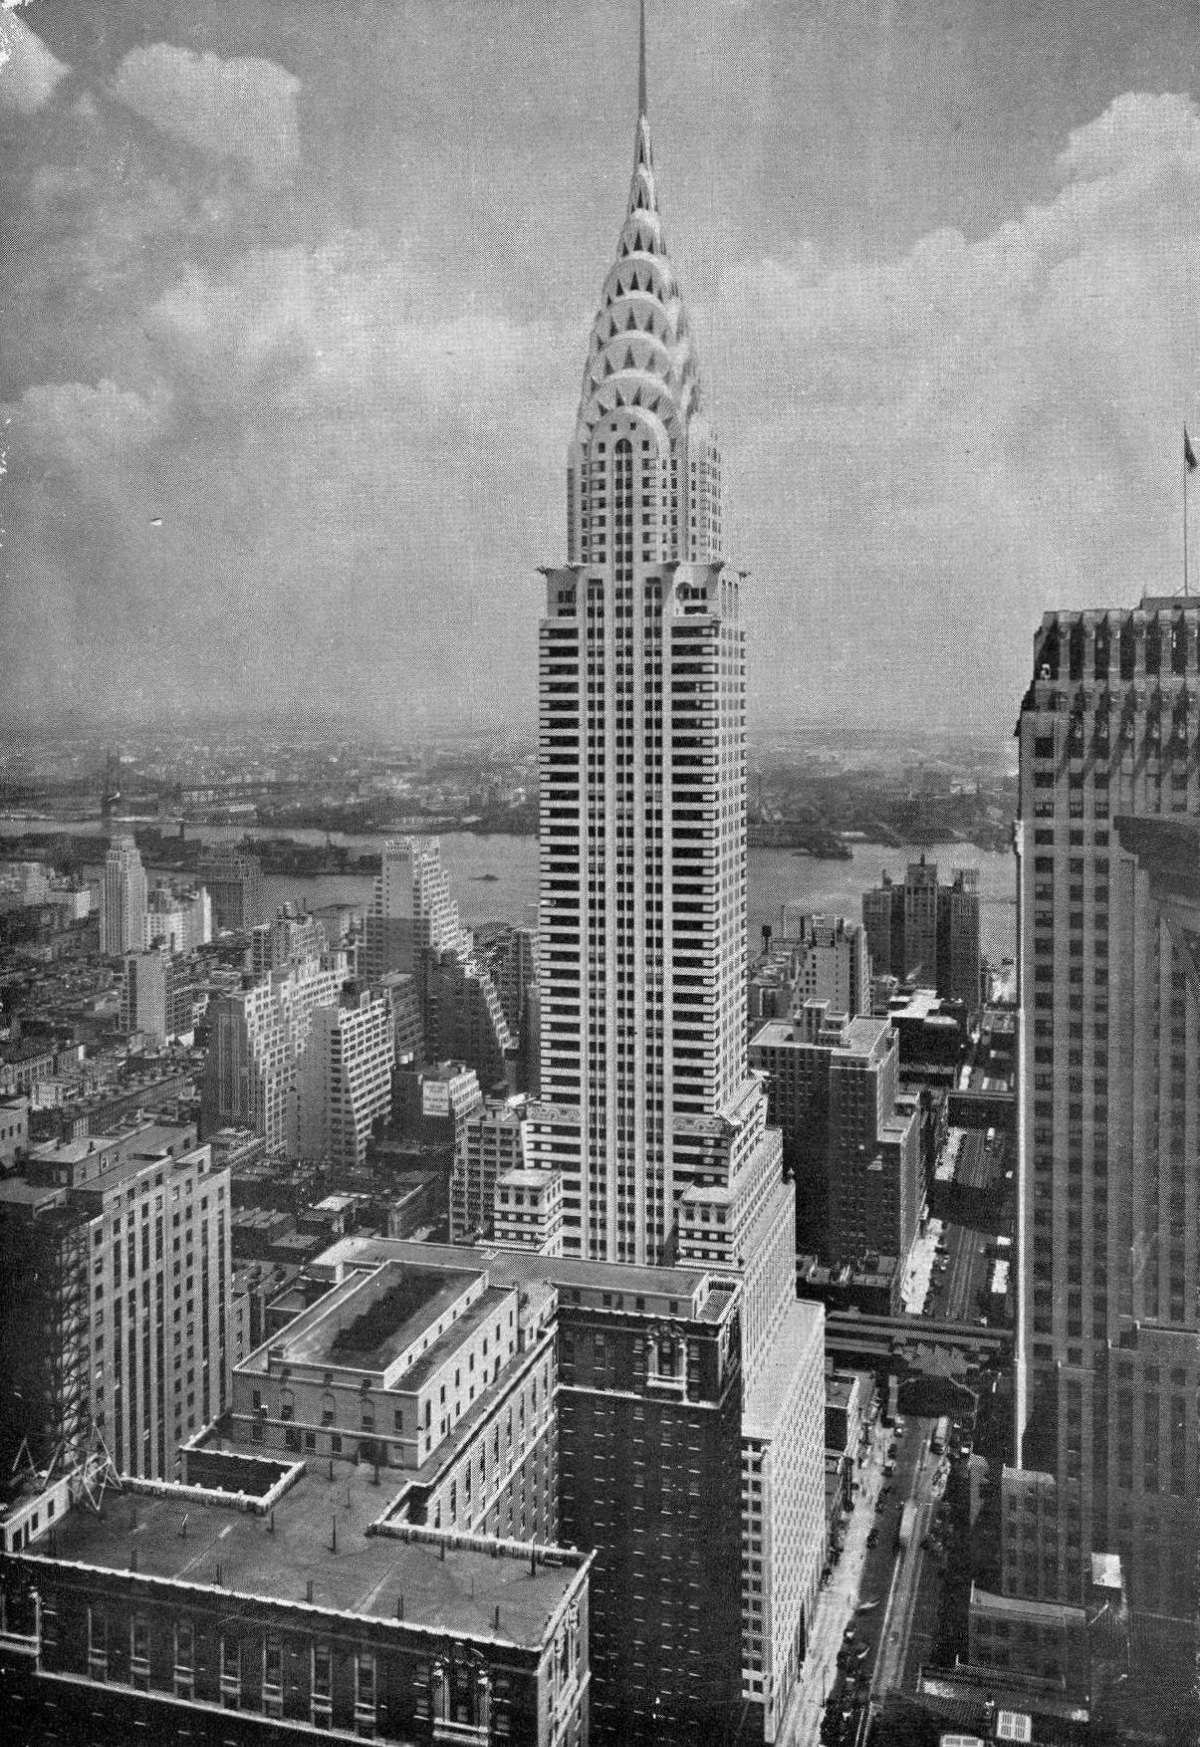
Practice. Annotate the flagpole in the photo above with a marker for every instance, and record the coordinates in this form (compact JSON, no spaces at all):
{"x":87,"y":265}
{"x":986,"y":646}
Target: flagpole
{"x":1186,"y":471}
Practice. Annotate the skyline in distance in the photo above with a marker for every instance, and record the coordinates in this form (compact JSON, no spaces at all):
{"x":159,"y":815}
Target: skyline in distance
{"x":297,"y":308}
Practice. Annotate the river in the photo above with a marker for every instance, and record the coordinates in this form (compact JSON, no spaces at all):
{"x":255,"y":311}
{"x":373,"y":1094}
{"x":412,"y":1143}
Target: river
{"x":494,"y":879}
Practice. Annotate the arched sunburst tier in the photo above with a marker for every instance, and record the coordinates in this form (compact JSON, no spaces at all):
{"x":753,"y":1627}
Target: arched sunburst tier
{"x":642,"y":361}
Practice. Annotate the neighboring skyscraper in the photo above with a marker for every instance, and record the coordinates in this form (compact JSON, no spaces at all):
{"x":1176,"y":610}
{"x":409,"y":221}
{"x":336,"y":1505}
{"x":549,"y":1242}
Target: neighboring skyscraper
{"x":404,"y":999}
{"x":650,"y":1410}
{"x":834,"y":963}
{"x":23,"y":884}
{"x":97,"y":1239}
{"x":255,"y":1040}
{"x":834,"y":1083}
{"x":921,"y":922}
{"x":344,"y":1079}
{"x":122,"y":900}
{"x":960,"y":957}
{"x":510,"y":956}
{"x":491,"y":1142}
{"x":158,"y":996}
{"x":179,"y":916}
{"x":928,"y":933}
{"x":234,"y":881}
{"x":1109,"y":953}
{"x":414,"y":928}
{"x":883,"y":920}
{"x":289,"y":936}
{"x":413,"y":910}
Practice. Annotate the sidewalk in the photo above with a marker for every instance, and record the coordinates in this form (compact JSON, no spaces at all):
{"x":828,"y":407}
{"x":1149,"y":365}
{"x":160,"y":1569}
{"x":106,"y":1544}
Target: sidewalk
{"x":836,"y":1606}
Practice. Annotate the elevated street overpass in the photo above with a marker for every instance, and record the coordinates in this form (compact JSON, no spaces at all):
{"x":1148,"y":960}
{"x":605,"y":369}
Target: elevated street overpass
{"x":916,"y":1345}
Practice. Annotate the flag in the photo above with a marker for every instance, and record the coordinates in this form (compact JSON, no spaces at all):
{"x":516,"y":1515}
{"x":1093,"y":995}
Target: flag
{"x":1189,"y":454}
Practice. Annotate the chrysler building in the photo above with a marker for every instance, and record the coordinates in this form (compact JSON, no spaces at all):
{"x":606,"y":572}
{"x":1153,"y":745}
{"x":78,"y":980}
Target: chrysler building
{"x":648,"y":1113}
{"x":645,"y":1091}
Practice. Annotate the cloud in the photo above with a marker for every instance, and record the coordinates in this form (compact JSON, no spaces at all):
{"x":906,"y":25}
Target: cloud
{"x":968,"y":434}
{"x":344,"y":332}
{"x":73,"y":425}
{"x":331,"y":467}
{"x":242,"y":108}
{"x":28,"y":71}
{"x":350,"y":453}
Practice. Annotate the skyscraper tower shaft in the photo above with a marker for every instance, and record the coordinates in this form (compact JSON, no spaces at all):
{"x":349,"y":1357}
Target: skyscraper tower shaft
{"x":642,"y":925}
{"x":1108,"y":1331}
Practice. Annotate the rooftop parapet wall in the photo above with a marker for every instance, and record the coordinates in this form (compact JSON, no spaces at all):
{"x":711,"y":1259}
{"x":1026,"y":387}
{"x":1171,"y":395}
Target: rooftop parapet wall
{"x":321,"y":1550}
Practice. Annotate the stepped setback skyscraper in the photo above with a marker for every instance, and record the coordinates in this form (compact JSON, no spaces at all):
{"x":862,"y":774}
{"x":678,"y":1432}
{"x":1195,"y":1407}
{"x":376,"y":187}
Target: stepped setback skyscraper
{"x":642,"y":917}
{"x":122,"y":900}
{"x":647,"y":1111}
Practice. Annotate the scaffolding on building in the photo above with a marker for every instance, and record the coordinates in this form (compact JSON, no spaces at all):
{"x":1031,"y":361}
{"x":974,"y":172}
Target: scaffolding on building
{"x":46,"y":1330}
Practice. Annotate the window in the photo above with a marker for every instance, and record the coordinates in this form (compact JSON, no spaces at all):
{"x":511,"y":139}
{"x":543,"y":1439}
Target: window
{"x":185,"y":1656}
{"x":273,"y":1675}
{"x":231,"y":1672}
{"x":322,"y":1685}
{"x":139,"y":1650}
{"x":97,"y":1644}
{"x":364,"y":1692}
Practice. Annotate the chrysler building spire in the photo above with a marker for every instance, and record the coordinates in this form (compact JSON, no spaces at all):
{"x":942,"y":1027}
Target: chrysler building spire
{"x":641,"y":355}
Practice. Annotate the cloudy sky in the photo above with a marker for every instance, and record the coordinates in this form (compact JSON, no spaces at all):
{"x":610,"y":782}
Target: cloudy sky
{"x":296,"y":295}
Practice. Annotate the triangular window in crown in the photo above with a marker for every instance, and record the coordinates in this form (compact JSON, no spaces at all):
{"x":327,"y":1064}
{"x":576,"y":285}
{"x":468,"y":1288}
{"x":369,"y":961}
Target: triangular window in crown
{"x":635,"y":283}
{"x":629,"y":362}
{"x":608,"y":369}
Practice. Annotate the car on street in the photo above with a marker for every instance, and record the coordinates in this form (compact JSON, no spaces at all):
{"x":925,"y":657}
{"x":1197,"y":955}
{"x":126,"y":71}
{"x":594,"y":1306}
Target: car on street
{"x":872,"y":1537}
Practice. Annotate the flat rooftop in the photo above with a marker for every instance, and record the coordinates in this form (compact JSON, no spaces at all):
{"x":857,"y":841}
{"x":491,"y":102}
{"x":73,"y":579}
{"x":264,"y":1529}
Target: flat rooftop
{"x":484,"y":1307}
{"x":522,"y":1177}
{"x":17,"y":1192}
{"x":1042,"y":1613}
{"x":369,"y":1341}
{"x":523,"y":1267}
{"x":367,"y":1575}
{"x":839,"y":1387}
